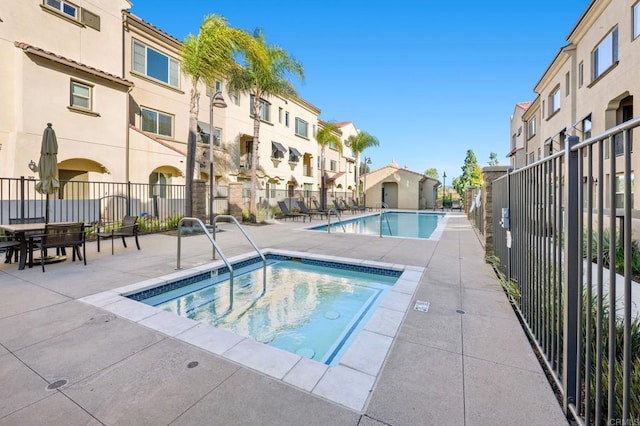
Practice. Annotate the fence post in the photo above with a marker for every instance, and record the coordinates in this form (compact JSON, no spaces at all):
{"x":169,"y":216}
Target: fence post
{"x":22,"y":197}
{"x":571,"y":291}
{"x":129,"y":199}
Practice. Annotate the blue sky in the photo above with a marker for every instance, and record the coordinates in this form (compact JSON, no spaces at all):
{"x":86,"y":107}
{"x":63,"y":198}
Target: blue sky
{"x":430,"y":79}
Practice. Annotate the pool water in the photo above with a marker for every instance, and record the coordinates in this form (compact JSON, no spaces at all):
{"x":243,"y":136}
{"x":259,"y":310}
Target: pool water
{"x":309,"y":309}
{"x":396,"y":224}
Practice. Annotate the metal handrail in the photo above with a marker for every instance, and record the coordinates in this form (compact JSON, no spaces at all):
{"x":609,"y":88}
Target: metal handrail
{"x":213,"y":241}
{"x":264,"y":259}
{"x":383,"y":211}
{"x":337,"y":213}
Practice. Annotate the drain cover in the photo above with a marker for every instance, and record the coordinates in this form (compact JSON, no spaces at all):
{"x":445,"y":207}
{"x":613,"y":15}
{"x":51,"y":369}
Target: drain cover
{"x":460,"y":311}
{"x":192,"y":364}
{"x":421,"y":306}
{"x":57,"y":384}
{"x":332,"y":315}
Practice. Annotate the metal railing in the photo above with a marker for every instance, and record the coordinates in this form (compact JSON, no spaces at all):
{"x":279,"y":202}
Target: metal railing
{"x":383,"y":212}
{"x":213,"y":242}
{"x":566,"y":245}
{"x":253,"y":244}
{"x":333,"y":210}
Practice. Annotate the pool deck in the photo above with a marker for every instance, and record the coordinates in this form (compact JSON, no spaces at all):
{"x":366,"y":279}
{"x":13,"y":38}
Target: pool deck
{"x":443,"y":367}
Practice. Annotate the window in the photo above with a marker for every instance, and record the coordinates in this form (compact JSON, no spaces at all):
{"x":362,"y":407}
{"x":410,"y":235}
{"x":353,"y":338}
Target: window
{"x":531,"y":128}
{"x":81,"y":95}
{"x":313,"y":127}
{"x":620,"y":190}
{"x":332,"y":165}
{"x":156,"y":65}
{"x":236,"y":97}
{"x":567,"y":84}
{"x":157,"y":122}
{"x":280,"y":115}
{"x":265,"y":109}
{"x":554,"y":101}
{"x":308,"y":187}
{"x":277,"y":150}
{"x":580,"y":74}
{"x":217,"y":136}
{"x":532,"y":158}
{"x":302,"y":128}
{"x":636,"y":20}
{"x":159,"y":183}
{"x":64,"y":7}
{"x":318,"y":165}
{"x":544,"y":108}
{"x":286,"y":118}
{"x":606,"y":54}
{"x":271,"y":189}
{"x":586,"y":128}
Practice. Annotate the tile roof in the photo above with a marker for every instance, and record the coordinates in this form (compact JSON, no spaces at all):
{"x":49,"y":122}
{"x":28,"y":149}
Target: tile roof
{"x":28,"y":48}
{"x":524,"y":105}
{"x":155,"y":139}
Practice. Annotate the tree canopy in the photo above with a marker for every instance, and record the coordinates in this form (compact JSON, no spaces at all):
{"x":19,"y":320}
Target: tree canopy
{"x":493,"y":159}
{"x":432,"y":172}
{"x":263,"y":79}
{"x":471,"y":174}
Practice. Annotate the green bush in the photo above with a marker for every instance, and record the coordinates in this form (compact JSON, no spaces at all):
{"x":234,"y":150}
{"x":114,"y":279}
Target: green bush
{"x":619,"y":252}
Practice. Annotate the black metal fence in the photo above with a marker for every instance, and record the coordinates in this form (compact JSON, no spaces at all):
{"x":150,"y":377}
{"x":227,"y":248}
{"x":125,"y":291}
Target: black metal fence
{"x":566,"y":242}
{"x":158,"y":206}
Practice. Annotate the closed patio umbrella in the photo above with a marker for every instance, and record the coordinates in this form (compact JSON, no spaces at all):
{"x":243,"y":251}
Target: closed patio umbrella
{"x":48,"y":166}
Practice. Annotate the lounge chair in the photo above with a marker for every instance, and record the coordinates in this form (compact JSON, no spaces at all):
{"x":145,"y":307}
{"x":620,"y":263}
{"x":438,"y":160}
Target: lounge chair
{"x":318,"y":209}
{"x":59,"y":236}
{"x":342,"y":206}
{"x":305,"y":210}
{"x":356,"y":208}
{"x":128,"y":228}
{"x":288,"y":214}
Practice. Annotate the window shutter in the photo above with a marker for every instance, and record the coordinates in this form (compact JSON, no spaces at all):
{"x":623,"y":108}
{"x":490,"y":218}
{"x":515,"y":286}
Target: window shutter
{"x":90,"y":19}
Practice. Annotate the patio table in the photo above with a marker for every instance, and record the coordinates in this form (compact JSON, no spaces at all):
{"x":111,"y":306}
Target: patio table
{"x":22,"y":232}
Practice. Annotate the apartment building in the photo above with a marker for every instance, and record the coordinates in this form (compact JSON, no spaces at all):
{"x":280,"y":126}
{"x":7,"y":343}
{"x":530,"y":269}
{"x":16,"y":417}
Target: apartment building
{"x":590,"y":85}
{"x":517,"y":154}
{"x":61,"y":63}
{"x":112,"y":85}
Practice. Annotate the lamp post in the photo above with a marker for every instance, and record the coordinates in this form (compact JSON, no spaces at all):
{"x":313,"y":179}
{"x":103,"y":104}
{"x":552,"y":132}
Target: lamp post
{"x":215,"y":100}
{"x":444,"y":187}
{"x":367,"y":160}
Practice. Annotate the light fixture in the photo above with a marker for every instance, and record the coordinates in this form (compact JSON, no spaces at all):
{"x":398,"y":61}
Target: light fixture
{"x":33,"y":166}
{"x":215,"y":100}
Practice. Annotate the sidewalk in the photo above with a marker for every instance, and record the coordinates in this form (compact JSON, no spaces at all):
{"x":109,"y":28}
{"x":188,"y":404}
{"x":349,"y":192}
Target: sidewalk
{"x":464,"y":362}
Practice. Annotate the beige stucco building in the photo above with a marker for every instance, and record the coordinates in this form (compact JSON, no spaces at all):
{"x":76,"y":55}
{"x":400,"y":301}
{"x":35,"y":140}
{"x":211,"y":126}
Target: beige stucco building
{"x":400,"y":188}
{"x":590,"y":86}
{"x":112,"y":85}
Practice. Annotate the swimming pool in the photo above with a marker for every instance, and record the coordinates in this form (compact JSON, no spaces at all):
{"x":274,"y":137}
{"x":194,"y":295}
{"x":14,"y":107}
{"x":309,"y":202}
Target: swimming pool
{"x":311,"y":308}
{"x":394,"y":223}
{"x":347,"y":381}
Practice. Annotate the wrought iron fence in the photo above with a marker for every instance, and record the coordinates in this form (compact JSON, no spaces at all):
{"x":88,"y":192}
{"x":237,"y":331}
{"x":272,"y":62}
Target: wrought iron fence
{"x":476,"y":209}
{"x":566,"y":242}
{"x":159,"y":207}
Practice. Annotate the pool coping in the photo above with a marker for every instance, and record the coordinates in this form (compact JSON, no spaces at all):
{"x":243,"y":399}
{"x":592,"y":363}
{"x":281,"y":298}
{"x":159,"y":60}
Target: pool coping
{"x":436,"y":235}
{"x":349,"y":383}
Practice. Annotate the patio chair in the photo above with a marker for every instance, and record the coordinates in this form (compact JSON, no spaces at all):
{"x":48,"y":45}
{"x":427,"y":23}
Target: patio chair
{"x":31,"y":240}
{"x":128,"y":228}
{"x":286,"y":213}
{"x":304,"y":209}
{"x":59,"y":236}
{"x":10,"y":246}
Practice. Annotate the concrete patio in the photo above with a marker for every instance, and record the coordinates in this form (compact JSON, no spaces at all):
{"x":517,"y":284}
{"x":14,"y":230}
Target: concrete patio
{"x":464,"y":362}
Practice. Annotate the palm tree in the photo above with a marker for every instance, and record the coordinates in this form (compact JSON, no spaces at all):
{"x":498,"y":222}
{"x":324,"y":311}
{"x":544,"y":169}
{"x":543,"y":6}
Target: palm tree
{"x":358,"y":144}
{"x":206,"y":57}
{"x":263,"y":79}
{"x":327,"y":136}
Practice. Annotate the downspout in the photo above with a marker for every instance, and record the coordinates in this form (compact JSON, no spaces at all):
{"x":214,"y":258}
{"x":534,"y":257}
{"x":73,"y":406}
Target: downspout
{"x":127,"y":106}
